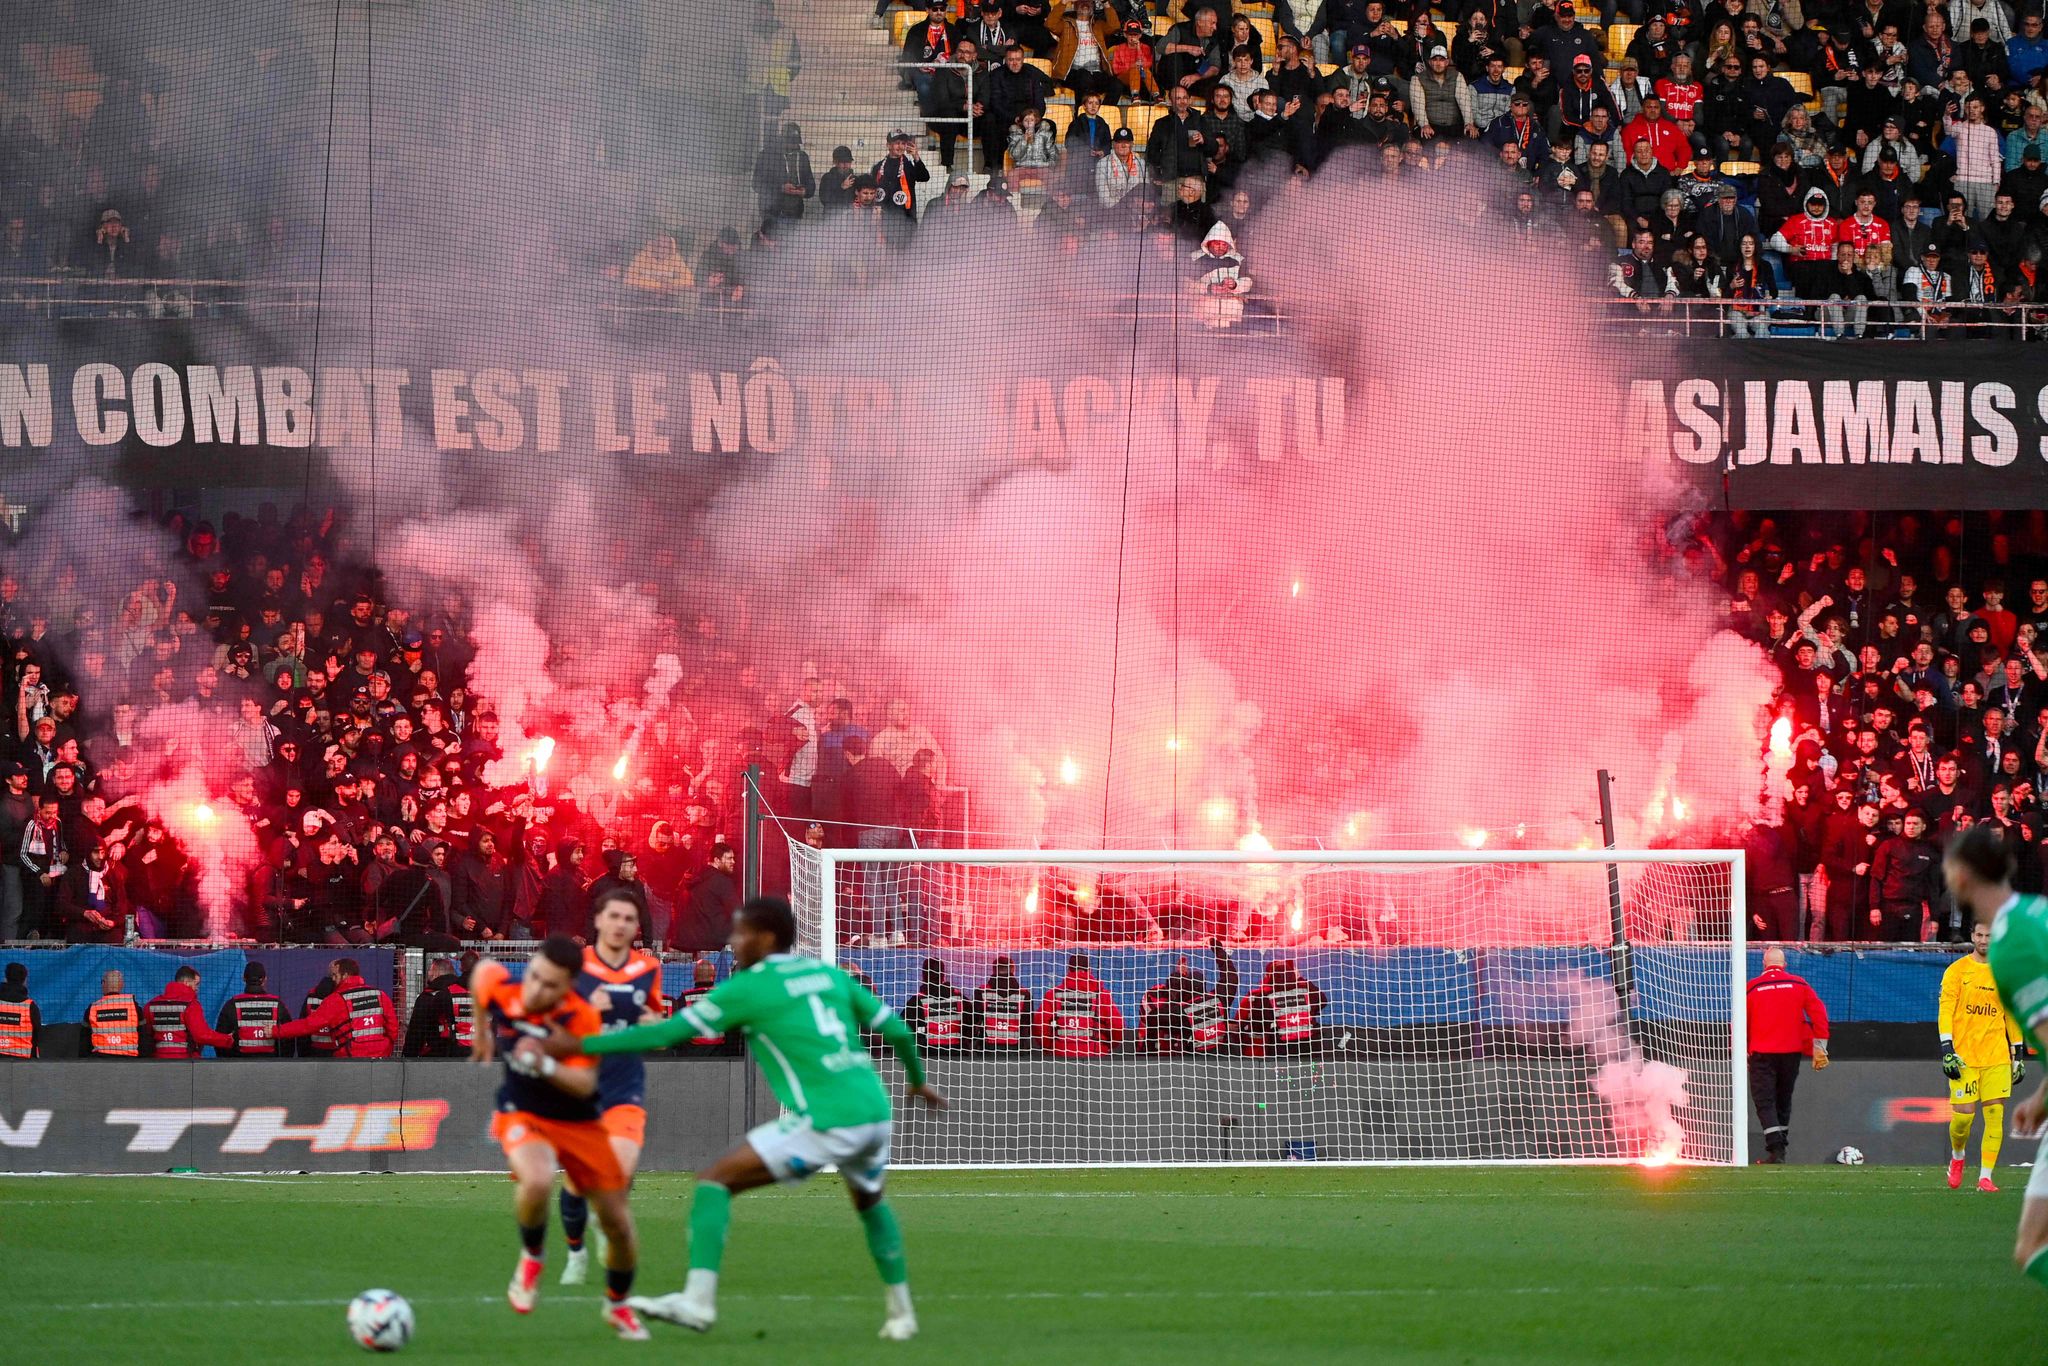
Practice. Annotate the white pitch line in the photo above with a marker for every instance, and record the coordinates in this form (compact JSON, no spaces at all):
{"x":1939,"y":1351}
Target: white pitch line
{"x":1342,"y":1293}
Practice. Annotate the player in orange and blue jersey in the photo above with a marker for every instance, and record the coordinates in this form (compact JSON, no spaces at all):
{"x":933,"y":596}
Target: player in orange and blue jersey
{"x":624,"y":985}
{"x":547,"y":1118}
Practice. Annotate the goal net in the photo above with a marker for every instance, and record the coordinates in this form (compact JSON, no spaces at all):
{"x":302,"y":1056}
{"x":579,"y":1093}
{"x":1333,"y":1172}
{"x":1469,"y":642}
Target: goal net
{"x":1236,"y":1008}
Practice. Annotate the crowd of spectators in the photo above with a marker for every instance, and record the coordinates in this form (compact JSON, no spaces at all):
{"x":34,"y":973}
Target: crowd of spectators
{"x":341,"y":727}
{"x":197,"y":146}
{"x":1885,"y":157}
{"x":1914,"y":655}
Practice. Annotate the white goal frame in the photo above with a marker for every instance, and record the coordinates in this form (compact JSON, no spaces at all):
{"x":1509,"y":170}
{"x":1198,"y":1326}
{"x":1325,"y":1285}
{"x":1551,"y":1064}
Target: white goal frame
{"x":830,"y":859}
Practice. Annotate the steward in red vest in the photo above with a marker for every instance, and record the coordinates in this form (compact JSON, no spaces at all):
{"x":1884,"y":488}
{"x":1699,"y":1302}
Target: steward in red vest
{"x":443,"y":1017}
{"x":1182,"y":1015}
{"x":177,"y":1026}
{"x":937,"y":1014}
{"x":1078,"y":1018}
{"x":1002,"y":1010}
{"x":360,"y":1015}
{"x":1279,"y":1015}
{"x":251,"y":1017}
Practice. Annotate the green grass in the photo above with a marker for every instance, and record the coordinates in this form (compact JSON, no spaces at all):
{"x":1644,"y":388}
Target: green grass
{"x":1295,"y":1264}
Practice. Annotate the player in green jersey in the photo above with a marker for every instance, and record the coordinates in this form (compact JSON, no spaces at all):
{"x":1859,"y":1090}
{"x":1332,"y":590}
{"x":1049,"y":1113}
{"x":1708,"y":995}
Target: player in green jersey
{"x":802,"y":1020}
{"x":1979,"y":869}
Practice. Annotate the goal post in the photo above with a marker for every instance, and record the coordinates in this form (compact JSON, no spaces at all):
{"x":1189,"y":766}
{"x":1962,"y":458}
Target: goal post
{"x":1410,"y":1006}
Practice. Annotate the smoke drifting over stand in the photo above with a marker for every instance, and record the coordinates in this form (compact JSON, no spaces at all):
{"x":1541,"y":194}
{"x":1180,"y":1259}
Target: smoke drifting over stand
{"x":1429,"y":619}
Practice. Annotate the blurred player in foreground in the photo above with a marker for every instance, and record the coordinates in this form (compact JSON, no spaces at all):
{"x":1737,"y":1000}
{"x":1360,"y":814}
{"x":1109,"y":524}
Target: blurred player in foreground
{"x":1980,"y":1056}
{"x":1978,"y":868}
{"x":803,"y":1021}
{"x":624,"y":985}
{"x":547,"y":1116}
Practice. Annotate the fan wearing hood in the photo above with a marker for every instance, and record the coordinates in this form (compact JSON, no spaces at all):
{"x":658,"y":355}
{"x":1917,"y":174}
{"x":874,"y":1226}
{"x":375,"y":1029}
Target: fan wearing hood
{"x":564,"y":905}
{"x":937,"y":1014}
{"x":1002,"y":1010}
{"x":1218,"y":279}
{"x":1808,"y":241}
{"x":1183,"y":1014}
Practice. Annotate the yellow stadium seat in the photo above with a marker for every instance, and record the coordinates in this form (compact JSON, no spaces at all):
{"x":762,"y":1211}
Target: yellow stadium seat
{"x":1139,"y":118}
{"x":1511,"y":74}
{"x":1264,"y":7}
{"x":1619,"y":36}
{"x":1450,"y":30}
{"x":1733,"y":168}
{"x":1400,"y":26}
{"x":1328,"y":68}
{"x":899,"y":25}
{"x":1162,"y":24}
{"x":1059,"y":116}
{"x":1263,"y":26}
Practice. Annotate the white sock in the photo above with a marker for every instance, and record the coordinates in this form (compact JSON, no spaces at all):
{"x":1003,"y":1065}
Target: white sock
{"x":1955,"y":1154}
{"x":897,"y":1297}
{"x":701,"y":1286}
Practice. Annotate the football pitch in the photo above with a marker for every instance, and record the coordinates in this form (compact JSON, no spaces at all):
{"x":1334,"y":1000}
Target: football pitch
{"x":1291,"y":1264}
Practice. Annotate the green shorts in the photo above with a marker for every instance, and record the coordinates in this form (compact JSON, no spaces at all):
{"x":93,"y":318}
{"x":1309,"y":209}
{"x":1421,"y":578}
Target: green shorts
{"x":2019,"y":965}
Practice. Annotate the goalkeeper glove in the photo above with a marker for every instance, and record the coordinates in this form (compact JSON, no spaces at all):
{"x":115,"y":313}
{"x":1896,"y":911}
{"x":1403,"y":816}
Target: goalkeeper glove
{"x":1820,"y":1054}
{"x":1951,"y":1065}
{"x":2019,"y":1064}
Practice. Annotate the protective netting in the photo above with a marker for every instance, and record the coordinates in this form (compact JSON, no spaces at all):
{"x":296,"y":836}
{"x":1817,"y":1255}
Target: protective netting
{"x":1112,"y":1010}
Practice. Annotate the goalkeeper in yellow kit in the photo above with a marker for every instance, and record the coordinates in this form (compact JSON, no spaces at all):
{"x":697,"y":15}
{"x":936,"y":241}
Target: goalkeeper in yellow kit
{"x":1981,"y":1049}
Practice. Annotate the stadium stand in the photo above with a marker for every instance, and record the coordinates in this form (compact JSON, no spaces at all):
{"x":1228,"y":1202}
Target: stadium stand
{"x":1743,"y":114}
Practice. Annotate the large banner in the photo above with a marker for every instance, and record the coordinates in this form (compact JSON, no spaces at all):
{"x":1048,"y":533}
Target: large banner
{"x":1758,"y":424}
{"x":1809,"y":424}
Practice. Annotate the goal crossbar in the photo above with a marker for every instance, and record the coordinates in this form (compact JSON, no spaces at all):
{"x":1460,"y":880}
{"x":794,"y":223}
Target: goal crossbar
{"x":1732,"y":857}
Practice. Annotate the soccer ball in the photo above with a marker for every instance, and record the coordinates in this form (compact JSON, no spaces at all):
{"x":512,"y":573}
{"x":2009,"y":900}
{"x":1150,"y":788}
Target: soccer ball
{"x":380,"y":1321}
{"x":1850,"y":1157}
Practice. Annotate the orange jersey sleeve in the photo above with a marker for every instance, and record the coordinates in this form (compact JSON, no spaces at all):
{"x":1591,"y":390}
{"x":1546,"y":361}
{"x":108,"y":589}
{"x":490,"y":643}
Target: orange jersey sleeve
{"x":485,"y":980}
{"x":580,"y":1018}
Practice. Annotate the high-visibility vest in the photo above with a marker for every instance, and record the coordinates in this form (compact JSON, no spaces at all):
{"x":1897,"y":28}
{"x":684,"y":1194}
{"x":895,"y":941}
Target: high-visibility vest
{"x":1002,"y":1016}
{"x":1294,"y":1016}
{"x":320,"y":1041}
{"x":943,"y":1021}
{"x":116,"y":1026}
{"x":167,"y":1029}
{"x":458,"y":1026}
{"x":252,"y":1019}
{"x":1073,"y":1015}
{"x":17,"y":1029}
{"x":363,"y":1035}
{"x":1206,"y":1022}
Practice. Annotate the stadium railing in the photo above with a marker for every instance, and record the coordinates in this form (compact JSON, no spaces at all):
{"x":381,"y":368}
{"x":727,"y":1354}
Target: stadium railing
{"x":1787,"y":315}
{"x":144,"y":298}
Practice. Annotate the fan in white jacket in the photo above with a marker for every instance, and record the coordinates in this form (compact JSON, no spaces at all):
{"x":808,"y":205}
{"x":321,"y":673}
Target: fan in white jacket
{"x":1218,"y":278}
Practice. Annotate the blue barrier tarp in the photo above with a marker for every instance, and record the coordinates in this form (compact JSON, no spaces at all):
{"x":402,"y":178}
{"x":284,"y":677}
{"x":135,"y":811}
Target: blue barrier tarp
{"x":64,"y":982}
{"x":1368,"y":988}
